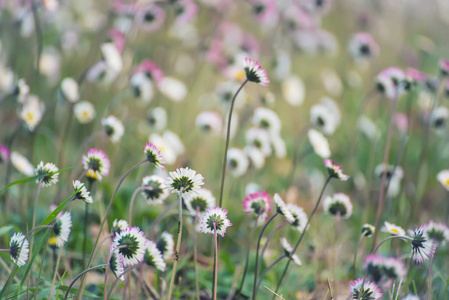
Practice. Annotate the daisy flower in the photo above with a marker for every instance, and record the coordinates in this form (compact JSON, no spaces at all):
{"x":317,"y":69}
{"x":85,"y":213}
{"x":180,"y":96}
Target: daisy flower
{"x":255,"y":73}
{"x":22,"y":164}
{"x":119,"y":225}
{"x":299,"y":215}
{"x":215,"y":215}
{"x":256,"y":157}
{"x":363,"y":46}
{"x":32,"y":112}
{"x":155,"y":191}
{"x":167,"y":150}
{"x":157,"y":118}
{"x":153,"y":256}
{"x":281,"y":208}
{"x":97,"y":164}
{"x":153,"y":155}
{"x":422,"y":247}
{"x":83,"y":193}
{"x":373,"y":266}
{"x":185,"y":11}
{"x":134,"y":240}
{"x":237,"y":162}
{"x":288,"y":249}
{"x":173,"y":89}
{"x":439,"y":118}
{"x":335,"y":170}
{"x":293,"y":90}
{"x":142,"y":87}
{"x":185,"y":181}
{"x":150,"y":18}
{"x":393,"y":229}
{"x":325,"y":115}
{"x":84,"y":112}
{"x":394,"y":268}
{"x":267,"y":119}
{"x":209,"y":122}
{"x":319,"y":143}
{"x":258,"y":204}
{"x":364,"y":290}
{"x":61,"y":228}
{"x":116,"y":265}
{"x":166,"y":244}
{"x":48,"y":174}
{"x":69,"y":90}
{"x":259,"y":139}
{"x":18,"y":249}
{"x":4,"y":154}
{"x":174,"y":141}
{"x":151,"y":70}
{"x":114,"y":128}
{"x":368,"y":230}
{"x":203,"y":200}
{"x":338,"y":204}
{"x":443,"y":178}
{"x":438,"y":233}
{"x":112,"y":57}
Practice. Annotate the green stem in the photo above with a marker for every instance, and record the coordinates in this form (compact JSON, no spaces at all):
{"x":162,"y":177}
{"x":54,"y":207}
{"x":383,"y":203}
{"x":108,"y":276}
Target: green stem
{"x":79,"y":276}
{"x":195,"y":259}
{"x":270,"y":235}
{"x":225,"y":155}
{"x":267,"y":269}
{"x":178,"y":246}
{"x":215,"y":262}
{"x":355,"y":256}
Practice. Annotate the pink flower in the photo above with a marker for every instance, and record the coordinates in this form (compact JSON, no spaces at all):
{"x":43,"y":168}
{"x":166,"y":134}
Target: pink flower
{"x":151,"y":69}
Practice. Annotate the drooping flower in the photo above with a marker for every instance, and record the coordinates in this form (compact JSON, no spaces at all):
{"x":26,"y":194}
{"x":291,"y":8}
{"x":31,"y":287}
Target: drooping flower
{"x":69,"y":90}
{"x":97,"y":164}
{"x":319,"y":143}
{"x":325,"y":115}
{"x":218,"y":216}
{"x":438,"y":233}
{"x":267,"y":119}
{"x":153,"y":256}
{"x":114,"y":128}
{"x":61,"y":228}
{"x":393,"y":229}
{"x":422,"y":247}
{"x":255,"y":72}
{"x":363,"y":46}
{"x":288,"y":249}
{"x":339,"y":204}
{"x":443,"y":178}
{"x":157,"y":118}
{"x":335,"y":170}
{"x":209,"y":122}
{"x":154,"y":155}
{"x":202,"y":200}
{"x":83,"y":193}
{"x":282,"y":208}
{"x":116,"y":265}
{"x":364,"y":290}
{"x":84,"y":112}
{"x":18,"y":249}
{"x":384,"y":270}
{"x":165,"y":244}
{"x":259,"y":139}
{"x":368,"y":230}
{"x":119,"y":225}
{"x":257,"y":204}
{"x":184,"y":180}
{"x":299,"y":215}
{"x":237,"y":162}
{"x":154,"y":189}
{"x":47,"y":173}
{"x":142,"y":87}
{"x":134,"y":240}
{"x":22,"y":164}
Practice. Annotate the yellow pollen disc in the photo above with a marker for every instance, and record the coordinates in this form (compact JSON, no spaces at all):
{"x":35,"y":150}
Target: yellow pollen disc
{"x":394,"y":230}
{"x":241,"y":75}
{"x":85,"y":114}
{"x":29,"y":116}
{"x":52,"y":241}
{"x":447,"y":181}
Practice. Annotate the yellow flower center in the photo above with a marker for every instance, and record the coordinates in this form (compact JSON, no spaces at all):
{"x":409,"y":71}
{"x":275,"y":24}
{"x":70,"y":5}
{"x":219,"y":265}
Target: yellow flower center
{"x":447,"y":181}
{"x":29,"y":117}
{"x":85,"y":114}
{"x":240,"y":75}
{"x":394,"y":230}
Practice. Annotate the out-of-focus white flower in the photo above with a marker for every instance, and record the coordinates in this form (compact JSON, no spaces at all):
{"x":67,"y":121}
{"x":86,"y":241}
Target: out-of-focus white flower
{"x":332,"y":82}
{"x":237,"y":162}
{"x":157,"y":118}
{"x":142,"y":87}
{"x":113,"y":127}
{"x":50,"y":64}
{"x":319,"y":143}
{"x":259,"y":138}
{"x":84,"y":112}
{"x":69,"y":90}
{"x":268,"y":120}
{"x":167,"y":150}
{"x":6,"y":78}
{"x":293,"y":90}
{"x":325,"y":115}
{"x":22,"y":164}
{"x":31,"y":112}
{"x":173,"y":89}
{"x":368,"y":128}
{"x":256,"y":156}
{"x":174,"y":141}
{"x":112,"y":57}
{"x":209,"y":121}
{"x":282,"y":65}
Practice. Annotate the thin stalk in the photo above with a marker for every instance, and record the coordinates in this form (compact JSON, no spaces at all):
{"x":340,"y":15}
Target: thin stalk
{"x":270,"y":235}
{"x":105,"y":218}
{"x":257,"y":252}
{"x":195,"y":259}
{"x":140,"y":188}
{"x":40,"y":268}
{"x":107,"y":268}
{"x":259,"y":281}
{"x":178,"y":246}
{"x":215,"y":261}
{"x":225,"y":155}
{"x":430,"y":276}
{"x":380,"y":204}
{"x":55,"y":274}
{"x":79,"y":276}
{"x":86,"y":218}
{"x":355,"y":256}
{"x":9,"y":166}
{"x":118,"y":278}
{"x":102,"y":241}
{"x":245,"y":270}
{"x":160,"y":217}
{"x":303,"y":232}
{"x":139,"y":282}
{"x":38,"y":38}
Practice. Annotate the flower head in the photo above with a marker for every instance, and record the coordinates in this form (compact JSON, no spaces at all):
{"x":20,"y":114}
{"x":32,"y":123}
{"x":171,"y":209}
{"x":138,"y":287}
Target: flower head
{"x":299,"y":215}
{"x":166,"y":244}
{"x":259,"y":139}
{"x":288,"y":249}
{"x":114,"y":128}
{"x":319,"y":143}
{"x":153,"y":256}
{"x":335,"y":170}
{"x":202,"y":200}
{"x":61,"y":228}
{"x":116,"y":265}
{"x":153,"y":189}
{"x":267,"y":119}
{"x":368,"y":230}
{"x":184,"y":180}
{"x":255,"y":73}
{"x":84,"y":112}
{"x":393,"y":229}
{"x":338,"y":204}
{"x":83,"y":193}
{"x":134,"y":240}
{"x":364,"y":290}
{"x":325,"y":115}
{"x":22,"y":164}
{"x":443,"y":178}
{"x":209,"y":122}
{"x":438,"y":233}
{"x":363,"y":46}
{"x":258,"y":204}
{"x":153,"y":155}
{"x":69,"y":90}
{"x":237,"y":162}
{"x":18,"y":249}
{"x":119,"y":225}
{"x":32,"y":112}
{"x":281,"y":208}
{"x":47,"y":173}
{"x":97,"y":164}
{"x":422,"y":247}
{"x":218,"y":216}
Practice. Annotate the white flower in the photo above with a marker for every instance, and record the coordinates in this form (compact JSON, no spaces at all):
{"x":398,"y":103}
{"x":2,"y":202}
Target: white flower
{"x":61,"y":228}
{"x":299,"y":215}
{"x":167,"y":150}
{"x":31,"y":112}
{"x":367,"y":127}
{"x":22,"y":164}
{"x":422,"y":248}
{"x":18,"y":249}
{"x":209,"y":121}
{"x":282,"y":65}
{"x":184,"y":180}
{"x":174,"y":141}
{"x":202,"y":200}
{"x":443,"y":178}
{"x":225,"y":92}
{"x":166,"y":244}
{"x":438,"y":233}
{"x":363,"y":289}
{"x":439,"y":118}
{"x":97,"y":164}
{"x":255,"y":72}
{"x":114,"y":128}
{"x":84,"y":112}
{"x":268,"y":120}
{"x":393,"y":229}
{"x":134,"y":240}
{"x":153,"y":155}
{"x":326,"y":115}
{"x":335,"y":170}
{"x":338,"y":204}
{"x":256,"y":156}
{"x":288,"y":249}
{"x":47,"y":171}
{"x":155,"y":191}
{"x":410,"y":297}
{"x":173,"y":89}
{"x":69,"y":90}
{"x":116,"y":265}
{"x":119,"y":225}
{"x":218,"y":216}
{"x":237,"y":162}
{"x":112,"y":57}
{"x":293,"y":90}
{"x":319,"y":143}
{"x":83,"y":193}
{"x":279,"y":147}
{"x":142,"y":87}
{"x":281,"y":208}
{"x":50,"y":64}
{"x":157,"y":118}
{"x":153,"y":256}
{"x":332,"y":82}
{"x":259,"y":139}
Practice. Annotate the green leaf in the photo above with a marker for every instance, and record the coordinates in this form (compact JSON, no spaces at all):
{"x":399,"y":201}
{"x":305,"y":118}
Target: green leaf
{"x":5,"y":229}
{"x":32,"y":178}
